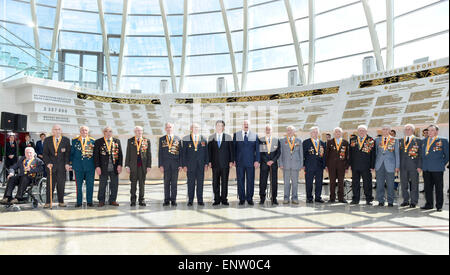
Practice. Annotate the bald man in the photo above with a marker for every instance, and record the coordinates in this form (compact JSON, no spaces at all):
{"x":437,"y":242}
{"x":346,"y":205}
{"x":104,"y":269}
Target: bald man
{"x":57,"y":159}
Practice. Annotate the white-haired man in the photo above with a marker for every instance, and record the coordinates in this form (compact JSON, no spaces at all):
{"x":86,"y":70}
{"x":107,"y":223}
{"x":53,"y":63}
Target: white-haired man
{"x":314,"y":160}
{"x":108,"y":159}
{"x":410,"y":166}
{"x":82,"y":160}
{"x":270,"y":152}
{"x":170,"y":163}
{"x":291,"y":161}
{"x":337,"y":163}
{"x":362,"y":162}
{"x":57,"y":160}
{"x":27,"y":166}
{"x":138,"y":162}
{"x":386,"y":165}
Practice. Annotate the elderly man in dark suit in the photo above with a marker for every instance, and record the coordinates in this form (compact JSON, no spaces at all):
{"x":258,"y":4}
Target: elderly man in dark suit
{"x":435,"y":157}
{"x":410,"y":166}
{"x":170,"y":163}
{"x":246,"y":150}
{"x":221,"y":158}
{"x":138,"y":162}
{"x":314,"y":161}
{"x":337,"y":163}
{"x":270,"y":151}
{"x":195,"y":162}
{"x":362,"y":156}
{"x":108,"y":160}
{"x":27,"y":167}
{"x":57,"y":159}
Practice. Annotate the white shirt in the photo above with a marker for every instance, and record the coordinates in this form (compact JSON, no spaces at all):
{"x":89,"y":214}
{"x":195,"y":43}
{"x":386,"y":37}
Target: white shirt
{"x":219,"y":137}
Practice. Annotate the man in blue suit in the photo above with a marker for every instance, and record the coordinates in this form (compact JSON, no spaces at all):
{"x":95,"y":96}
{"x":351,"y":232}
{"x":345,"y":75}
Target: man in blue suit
{"x":81,"y":157}
{"x":246,"y":149}
{"x":40,"y":149}
{"x":386,"y":165}
{"x":315,"y":162}
{"x":434,"y":159}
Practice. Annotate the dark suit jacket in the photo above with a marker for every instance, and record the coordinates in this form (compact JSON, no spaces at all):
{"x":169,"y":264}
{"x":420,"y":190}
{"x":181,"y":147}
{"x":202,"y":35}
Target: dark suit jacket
{"x":275,"y":151}
{"x":412,"y":158}
{"x":362,"y":159}
{"x":174,"y":155}
{"x":246,"y":153}
{"x":101,"y":155}
{"x":39,"y":147}
{"x":37,"y":166}
{"x":11,"y":149}
{"x":313,"y":162}
{"x":63,"y":156}
{"x":191,"y":158}
{"x":220,"y":158}
{"x":335,"y":159}
{"x":23,"y":146}
{"x":131,"y":159}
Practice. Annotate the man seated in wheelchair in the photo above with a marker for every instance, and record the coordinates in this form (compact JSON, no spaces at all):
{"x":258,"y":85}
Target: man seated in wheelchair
{"x":27,"y":168}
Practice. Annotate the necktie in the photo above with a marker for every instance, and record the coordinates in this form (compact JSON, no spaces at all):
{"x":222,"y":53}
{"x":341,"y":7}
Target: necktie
{"x":407,"y":140}
{"x":316,"y":143}
{"x":246,"y":137}
{"x":219,"y":140}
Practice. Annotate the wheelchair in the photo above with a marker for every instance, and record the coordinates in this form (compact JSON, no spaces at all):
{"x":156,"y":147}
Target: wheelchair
{"x":34,"y":194}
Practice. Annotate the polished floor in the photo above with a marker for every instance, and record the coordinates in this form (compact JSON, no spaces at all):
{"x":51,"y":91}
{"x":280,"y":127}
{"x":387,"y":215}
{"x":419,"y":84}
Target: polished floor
{"x":286,"y":229}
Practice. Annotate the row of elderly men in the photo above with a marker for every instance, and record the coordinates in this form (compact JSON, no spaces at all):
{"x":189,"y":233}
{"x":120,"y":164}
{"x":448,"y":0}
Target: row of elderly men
{"x":363,"y":154}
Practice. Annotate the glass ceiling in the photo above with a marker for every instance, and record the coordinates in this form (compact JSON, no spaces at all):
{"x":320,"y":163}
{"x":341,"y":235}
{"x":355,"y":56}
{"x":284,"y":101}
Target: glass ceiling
{"x":215,"y":39}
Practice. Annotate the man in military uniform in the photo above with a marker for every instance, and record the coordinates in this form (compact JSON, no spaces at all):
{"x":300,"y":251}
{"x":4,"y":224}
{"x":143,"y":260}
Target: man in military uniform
{"x":434,"y":159}
{"x":314,"y":159}
{"x":170,"y":163}
{"x":138,"y":162}
{"x":108,"y":160}
{"x":410,"y":166}
{"x":362,"y":162}
{"x":57,"y":159}
{"x":82,"y":159}
{"x":270,"y":152}
{"x":291,"y":161}
{"x":387,"y":165}
{"x":27,"y":167}
{"x":195,"y":162}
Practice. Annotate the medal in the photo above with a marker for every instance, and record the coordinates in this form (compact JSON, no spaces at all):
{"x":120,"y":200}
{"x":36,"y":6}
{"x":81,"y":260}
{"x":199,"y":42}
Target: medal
{"x":28,"y":165}
{"x":338,"y":146}
{"x":429,"y":145}
{"x":56,"y":146}
{"x":169,"y":143}
{"x":361,"y":143}
{"x":407,"y":145}
{"x":195,"y":141}
{"x":83,"y":145}
{"x":108,"y":146}
{"x":291,"y":145}
{"x":315,"y":147}
{"x":269,"y":145}
{"x":385,"y":143}
{"x":138,"y":145}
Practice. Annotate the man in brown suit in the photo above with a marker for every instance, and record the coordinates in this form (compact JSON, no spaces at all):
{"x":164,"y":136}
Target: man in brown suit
{"x":138,"y":163}
{"x":337,"y":164}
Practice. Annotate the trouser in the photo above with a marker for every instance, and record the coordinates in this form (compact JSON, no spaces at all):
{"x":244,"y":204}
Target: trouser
{"x":385,"y":178}
{"x":409,"y":180}
{"x":336,"y":173}
{"x":113,"y":187}
{"x":434,"y":180}
{"x":290,"y":177}
{"x":170,"y":182}
{"x":246,"y":183}
{"x":264,"y":173}
{"x":88,"y":177}
{"x":220,"y":184}
{"x":315,"y":176}
{"x":195,"y":176}
{"x":367,"y":185}
{"x":138,"y":176}
{"x":22,"y":182}
{"x":58,"y":181}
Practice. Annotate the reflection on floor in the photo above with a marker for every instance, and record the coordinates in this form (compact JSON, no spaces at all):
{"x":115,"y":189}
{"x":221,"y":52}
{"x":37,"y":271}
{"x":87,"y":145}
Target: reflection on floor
{"x":286,"y":229}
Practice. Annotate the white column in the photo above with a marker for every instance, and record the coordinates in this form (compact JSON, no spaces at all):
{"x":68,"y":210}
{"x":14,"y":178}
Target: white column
{"x":373,"y":35}
{"x":123,"y":34}
{"x":105,"y":43}
{"x":169,"y":48}
{"x":390,"y":34}
{"x":55,"y":39}
{"x":245,"y":47}
{"x":184,"y":50}
{"x":312,"y":41}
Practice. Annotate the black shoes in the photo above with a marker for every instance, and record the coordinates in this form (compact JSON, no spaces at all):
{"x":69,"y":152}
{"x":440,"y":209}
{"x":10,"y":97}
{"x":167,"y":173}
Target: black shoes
{"x":426,"y":207}
{"x":90,"y":205}
{"x":190,"y":204}
{"x":320,"y":201}
{"x":225,"y":203}
{"x":78,"y":205}
{"x":241,"y":202}
{"x":412,"y":205}
{"x":309,"y":201}
{"x":331,"y":201}
{"x":343,"y":201}
{"x":354,"y":203}
{"x":201,"y":203}
{"x":404,"y":204}
{"x":251,"y":203}
{"x":381,"y":204}
{"x":275,"y":202}
{"x":133,"y":204}
{"x":262,"y":202}
{"x":390,"y":205}
{"x":216,"y":203}
{"x":174,"y":203}
{"x":166,"y":204}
